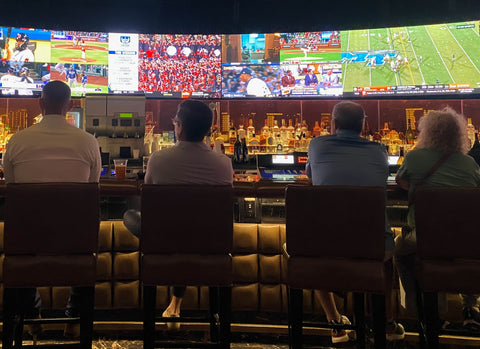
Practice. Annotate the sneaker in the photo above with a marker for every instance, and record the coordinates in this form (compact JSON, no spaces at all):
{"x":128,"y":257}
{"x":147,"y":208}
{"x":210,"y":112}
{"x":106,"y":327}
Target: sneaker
{"x":340,"y":335}
{"x":471,"y":318}
{"x":394,"y":331}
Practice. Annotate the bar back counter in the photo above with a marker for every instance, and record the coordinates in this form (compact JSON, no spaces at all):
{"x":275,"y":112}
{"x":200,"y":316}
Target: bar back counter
{"x":259,"y":293}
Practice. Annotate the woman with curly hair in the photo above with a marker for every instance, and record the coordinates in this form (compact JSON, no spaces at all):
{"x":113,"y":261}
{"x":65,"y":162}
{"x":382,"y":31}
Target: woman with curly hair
{"x":442,"y":133}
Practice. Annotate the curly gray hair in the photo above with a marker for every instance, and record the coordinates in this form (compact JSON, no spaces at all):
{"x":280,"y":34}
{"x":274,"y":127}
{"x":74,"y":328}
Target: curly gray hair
{"x":444,"y":130}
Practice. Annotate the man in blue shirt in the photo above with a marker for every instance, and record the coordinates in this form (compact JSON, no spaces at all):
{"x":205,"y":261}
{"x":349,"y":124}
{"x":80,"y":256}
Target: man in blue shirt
{"x":345,"y":158}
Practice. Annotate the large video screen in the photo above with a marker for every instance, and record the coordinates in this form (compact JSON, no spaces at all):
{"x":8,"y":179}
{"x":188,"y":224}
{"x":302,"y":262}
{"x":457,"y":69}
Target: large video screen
{"x":180,"y":65}
{"x":431,"y":59}
{"x":437,"y":59}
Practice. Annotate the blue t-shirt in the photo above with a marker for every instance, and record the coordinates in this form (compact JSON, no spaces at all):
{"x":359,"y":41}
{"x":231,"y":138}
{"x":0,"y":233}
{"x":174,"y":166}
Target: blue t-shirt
{"x":345,"y":158}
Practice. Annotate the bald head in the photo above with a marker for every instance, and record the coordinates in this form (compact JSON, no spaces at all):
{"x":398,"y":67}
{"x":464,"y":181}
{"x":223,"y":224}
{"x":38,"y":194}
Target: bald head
{"x":348,"y":116}
{"x":55,"y":98}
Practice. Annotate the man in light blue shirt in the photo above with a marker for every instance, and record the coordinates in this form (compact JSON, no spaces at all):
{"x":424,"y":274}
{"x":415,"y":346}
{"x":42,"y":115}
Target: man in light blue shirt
{"x":345,"y":158}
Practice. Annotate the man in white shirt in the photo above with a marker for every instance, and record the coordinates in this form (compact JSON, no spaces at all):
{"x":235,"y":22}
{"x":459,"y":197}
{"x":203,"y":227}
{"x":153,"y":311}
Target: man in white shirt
{"x":255,"y":86}
{"x":190,"y":161}
{"x":53,"y":151}
{"x":22,"y":53}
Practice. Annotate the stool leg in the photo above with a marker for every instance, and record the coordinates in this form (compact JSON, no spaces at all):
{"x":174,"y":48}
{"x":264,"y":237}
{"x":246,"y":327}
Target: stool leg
{"x":431,"y":319}
{"x":359,"y":311}
{"x":149,"y":300}
{"x":19,"y":331}
{"x":214,"y":316}
{"x":295,"y":314}
{"x":9,"y":306}
{"x":379,"y":320}
{"x":87,"y":300}
{"x":421,"y":317}
{"x":225,"y":317}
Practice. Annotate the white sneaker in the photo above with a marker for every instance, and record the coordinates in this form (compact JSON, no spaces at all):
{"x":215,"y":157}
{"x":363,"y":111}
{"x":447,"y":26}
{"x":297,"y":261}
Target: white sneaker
{"x":342,"y":335}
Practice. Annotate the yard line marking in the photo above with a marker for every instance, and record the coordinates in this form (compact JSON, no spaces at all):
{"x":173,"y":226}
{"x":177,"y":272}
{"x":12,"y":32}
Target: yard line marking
{"x":420,"y":69}
{"x":466,"y":54}
{"x":370,"y":66}
{"x":393,"y":48}
{"x":436,"y":48}
{"x":405,"y":55}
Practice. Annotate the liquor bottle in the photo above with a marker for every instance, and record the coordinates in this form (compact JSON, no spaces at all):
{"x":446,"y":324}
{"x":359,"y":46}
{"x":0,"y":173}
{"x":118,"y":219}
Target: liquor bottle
{"x":298,"y":129}
{"x":475,"y":151}
{"x":232,"y":134}
{"x":316,"y":130}
{"x":471,"y":131}
{"x":290,"y":129}
{"x":237,"y":151}
{"x":305,"y":128}
{"x":244,"y":150}
{"x":241,"y":132}
{"x":266,"y":129}
{"x":276,"y":129}
{"x":401,"y":157}
{"x":409,"y":135}
{"x":283,"y":131}
{"x":254,"y":144}
{"x":250,"y":129}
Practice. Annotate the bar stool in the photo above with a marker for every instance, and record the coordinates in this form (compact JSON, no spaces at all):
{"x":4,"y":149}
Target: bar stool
{"x":51,"y":233}
{"x":186,"y":239}
{"x":335,"y":242}
{"x":448,"y":248}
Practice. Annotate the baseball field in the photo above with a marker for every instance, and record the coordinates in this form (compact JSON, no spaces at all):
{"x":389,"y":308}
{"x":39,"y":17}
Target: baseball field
{"x":322,"y":55}
{"x":436,"y":54}
{"x":65,"y":51}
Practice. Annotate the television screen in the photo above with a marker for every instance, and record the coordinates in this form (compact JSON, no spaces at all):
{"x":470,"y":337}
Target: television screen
{"x":180,"y":65}
{"x":251,"y":48}
{"x":123,"y":63}
{"x":251,"y":80}
{"x":23,"y":78}
{"x":25,"y":45}
{"x":311,"y":64}
{"x":81,"y":78}
{"x":79,"y":47}
{"x":417,"y":60}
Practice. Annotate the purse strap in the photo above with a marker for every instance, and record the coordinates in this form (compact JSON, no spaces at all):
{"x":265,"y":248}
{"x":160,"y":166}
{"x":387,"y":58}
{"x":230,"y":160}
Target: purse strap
{"x":428,"y":174}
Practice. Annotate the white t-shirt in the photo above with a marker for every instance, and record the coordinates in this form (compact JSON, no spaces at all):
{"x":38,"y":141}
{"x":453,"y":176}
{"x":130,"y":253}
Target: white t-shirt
{"x":257,"y":87}
{"x":23,"y":56}
{"x":52,"y":151}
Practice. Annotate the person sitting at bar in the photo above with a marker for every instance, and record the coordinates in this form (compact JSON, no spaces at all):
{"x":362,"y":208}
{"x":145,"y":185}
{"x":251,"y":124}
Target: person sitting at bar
{"x":345,"y":158}
{"x":441,"y":132}
{"x":53,"y":151}
{"x":190,"y":161}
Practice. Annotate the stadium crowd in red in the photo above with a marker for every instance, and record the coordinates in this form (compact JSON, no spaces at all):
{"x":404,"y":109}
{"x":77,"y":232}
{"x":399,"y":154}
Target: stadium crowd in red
{"x":177,"y":63}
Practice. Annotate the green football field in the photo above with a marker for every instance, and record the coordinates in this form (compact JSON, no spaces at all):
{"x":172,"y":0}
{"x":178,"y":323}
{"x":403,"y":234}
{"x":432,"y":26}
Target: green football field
{"x":63,"y":51}
{"x":299,"y":55}
{"x":443,"y":53}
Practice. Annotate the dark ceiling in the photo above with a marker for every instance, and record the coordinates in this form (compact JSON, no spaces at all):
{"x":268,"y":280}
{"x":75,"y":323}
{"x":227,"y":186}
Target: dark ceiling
{"x":231,"y":16}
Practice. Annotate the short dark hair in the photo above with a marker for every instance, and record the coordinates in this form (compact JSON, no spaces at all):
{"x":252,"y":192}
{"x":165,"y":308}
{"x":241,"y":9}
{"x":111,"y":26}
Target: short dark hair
{"x":56,"y":93}
{"x":348,"y":116}
{"x":195,"y":118}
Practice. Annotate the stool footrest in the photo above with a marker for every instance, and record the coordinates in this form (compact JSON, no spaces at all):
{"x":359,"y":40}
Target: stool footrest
{"x":185,"y":344}
{"x":66,"y":320}
{"x":185,"y":319}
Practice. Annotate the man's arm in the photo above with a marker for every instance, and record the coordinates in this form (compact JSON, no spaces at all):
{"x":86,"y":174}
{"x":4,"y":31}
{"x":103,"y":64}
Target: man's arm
{"x":96,"y":165}
{"x":8,"y":168}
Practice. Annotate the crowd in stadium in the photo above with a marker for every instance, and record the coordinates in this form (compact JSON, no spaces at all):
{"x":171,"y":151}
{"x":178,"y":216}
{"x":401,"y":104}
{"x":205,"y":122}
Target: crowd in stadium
{"x":177,"y":63}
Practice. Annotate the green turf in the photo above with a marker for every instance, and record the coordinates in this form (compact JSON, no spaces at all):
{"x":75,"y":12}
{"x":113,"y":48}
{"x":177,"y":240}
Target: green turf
{"x":101,"y":57}
{"x":311,"y":56}
{"x":435,"y":43}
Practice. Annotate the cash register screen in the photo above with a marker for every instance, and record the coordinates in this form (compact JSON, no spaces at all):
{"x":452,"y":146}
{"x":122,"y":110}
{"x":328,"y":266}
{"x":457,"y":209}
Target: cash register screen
{"x":283,"y":159}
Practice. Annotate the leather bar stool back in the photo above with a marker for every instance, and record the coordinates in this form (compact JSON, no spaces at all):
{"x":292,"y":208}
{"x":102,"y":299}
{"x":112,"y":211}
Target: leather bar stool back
{"x":448,"y":247}
{"x":336,"y":242}
{"x":51,"y":234}
{"x":186,"y":239}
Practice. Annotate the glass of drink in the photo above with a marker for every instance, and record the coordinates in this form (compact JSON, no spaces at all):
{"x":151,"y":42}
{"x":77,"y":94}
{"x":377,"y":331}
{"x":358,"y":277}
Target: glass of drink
{"x":120,"y":168}
{"x":145,"y":162}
